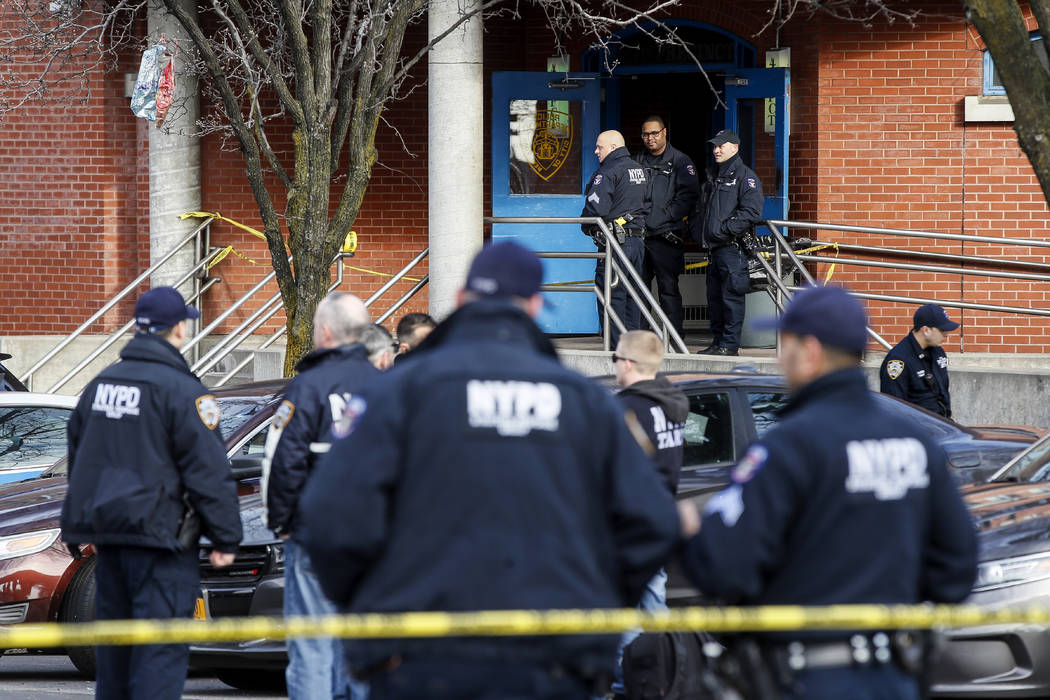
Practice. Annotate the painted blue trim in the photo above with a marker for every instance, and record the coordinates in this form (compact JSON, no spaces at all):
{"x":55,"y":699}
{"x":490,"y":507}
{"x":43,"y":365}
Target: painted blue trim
{"x":745,"y":50}
{"x":989,"y":87}
{"x":566,"y":312}
{"x":763,"y":83}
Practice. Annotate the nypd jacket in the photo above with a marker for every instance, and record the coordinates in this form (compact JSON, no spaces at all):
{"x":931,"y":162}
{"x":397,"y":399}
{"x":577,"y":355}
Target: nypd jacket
{"x":483,"y":475}
{"x":660,"y":409}
{"x":841,"y":502}
{"x":673,"y":190}
{"x":617,"y":188}
{"x":730,"y":204}
{"x":320,"y":400}
{"x":144,"y":433}
{"x":916,"y":375}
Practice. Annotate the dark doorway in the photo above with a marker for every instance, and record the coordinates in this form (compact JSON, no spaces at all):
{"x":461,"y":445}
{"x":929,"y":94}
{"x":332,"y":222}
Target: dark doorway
{"x":683,"y":100}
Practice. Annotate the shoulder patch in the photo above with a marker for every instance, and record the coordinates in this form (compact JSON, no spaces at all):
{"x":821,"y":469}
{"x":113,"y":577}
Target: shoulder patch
{"x":598,"y":179}
{"x":894,"y":368}
{"x":942,"y":361}
{"x":751,"y":183}
{"x":751,"y":464}
{"x":690,"y":169}
{"x":351,"y":410}
{"x":209,"y":411}
{"x":283,"y":414}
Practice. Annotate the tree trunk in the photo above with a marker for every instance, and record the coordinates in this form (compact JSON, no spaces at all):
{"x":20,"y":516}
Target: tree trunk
{"x":1027,"y":83}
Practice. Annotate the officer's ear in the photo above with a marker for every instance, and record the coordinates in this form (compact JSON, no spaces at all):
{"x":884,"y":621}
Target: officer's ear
{"x":534,"y":305}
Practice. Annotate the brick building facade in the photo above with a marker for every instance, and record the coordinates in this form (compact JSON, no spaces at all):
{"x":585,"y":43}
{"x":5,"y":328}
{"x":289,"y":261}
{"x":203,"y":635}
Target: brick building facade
{"x":879,"y":136}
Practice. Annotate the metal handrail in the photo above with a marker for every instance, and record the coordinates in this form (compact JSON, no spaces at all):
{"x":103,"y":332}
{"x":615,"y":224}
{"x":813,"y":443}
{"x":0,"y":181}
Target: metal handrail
{"x":618,"y":264}
{"x":781,"y":243}
{"x":119,"y":333}
{"x":908,"y":233}
{"x":247,"y":328}
{"x":27,"y":376}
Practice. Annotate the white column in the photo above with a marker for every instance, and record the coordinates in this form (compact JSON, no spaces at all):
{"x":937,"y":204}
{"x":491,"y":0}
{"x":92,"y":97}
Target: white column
{"x":175,"y":157}
{"x":456,"y":127}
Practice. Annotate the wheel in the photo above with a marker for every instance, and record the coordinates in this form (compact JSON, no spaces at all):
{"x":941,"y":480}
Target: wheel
{"x":250,"y":678}
{"x":78,"y":605}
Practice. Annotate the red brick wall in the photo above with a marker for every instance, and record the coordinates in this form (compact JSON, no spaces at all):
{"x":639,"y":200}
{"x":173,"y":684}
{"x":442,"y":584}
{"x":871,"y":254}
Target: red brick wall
{"x":877,"y":137}
{"x":893,"y":150}
{"x":69,"y":203}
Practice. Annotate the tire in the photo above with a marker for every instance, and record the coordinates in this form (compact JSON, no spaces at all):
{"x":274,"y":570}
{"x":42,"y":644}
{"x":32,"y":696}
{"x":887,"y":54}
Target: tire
{"x":250,"y":678}
{"x":78,"y":605}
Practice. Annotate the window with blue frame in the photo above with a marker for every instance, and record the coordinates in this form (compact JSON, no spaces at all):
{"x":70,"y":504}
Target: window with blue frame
{"x":993,"y":84}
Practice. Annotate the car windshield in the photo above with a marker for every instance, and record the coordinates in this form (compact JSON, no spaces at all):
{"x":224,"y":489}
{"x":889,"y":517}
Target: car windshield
{"x":236,"y":410}
{"x":1033,"y":464}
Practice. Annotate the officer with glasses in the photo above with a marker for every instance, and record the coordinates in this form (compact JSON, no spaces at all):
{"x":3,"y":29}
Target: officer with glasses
{"x":672,"y":194}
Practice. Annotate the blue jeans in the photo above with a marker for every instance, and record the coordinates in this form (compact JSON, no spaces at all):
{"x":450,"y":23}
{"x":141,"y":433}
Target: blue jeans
{"x":459,"y":679}
{"x":621,"y":303}
{"x":316,"y":667}
{"x":654,"y":599}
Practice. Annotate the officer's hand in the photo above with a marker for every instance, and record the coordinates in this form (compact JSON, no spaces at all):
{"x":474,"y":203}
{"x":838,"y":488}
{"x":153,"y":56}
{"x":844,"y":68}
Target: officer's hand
{"x":689,"y":518}
{"x":220,"y":559}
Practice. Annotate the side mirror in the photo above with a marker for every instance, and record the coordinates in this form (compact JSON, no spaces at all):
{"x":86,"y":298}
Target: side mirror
{"x":246,"y":466}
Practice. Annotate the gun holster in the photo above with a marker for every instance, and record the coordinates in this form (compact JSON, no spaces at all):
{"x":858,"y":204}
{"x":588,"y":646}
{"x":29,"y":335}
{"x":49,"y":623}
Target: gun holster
{"x":189,"y":532}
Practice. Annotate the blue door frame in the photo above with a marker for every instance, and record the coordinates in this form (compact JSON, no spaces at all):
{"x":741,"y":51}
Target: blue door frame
{"x":565,"y":312}
{"x":758,"y":83}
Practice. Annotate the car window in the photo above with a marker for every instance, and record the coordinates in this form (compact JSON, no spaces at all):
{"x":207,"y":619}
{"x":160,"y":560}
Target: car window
{"x":708,"y":430}
{"x":764,"y":407}
{"x":237,"y":410}
{"x":256,"y":444}
{"x":32,"y":436}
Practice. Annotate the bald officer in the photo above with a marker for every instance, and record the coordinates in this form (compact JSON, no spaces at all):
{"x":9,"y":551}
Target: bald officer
{"x":616,"y":193}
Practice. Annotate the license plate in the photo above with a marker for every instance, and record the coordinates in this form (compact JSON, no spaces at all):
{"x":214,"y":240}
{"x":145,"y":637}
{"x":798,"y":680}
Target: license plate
{"x":200,"y":609}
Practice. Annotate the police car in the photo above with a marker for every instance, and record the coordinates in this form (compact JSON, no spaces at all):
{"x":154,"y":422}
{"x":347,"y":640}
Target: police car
{"x":1012,"y":513}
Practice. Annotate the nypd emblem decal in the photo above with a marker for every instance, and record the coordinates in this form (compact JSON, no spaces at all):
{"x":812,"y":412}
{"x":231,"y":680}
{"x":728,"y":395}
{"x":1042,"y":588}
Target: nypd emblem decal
{"x":894,"y":368}
{"x":751,"y":183}
{"x":750,"y":465}
{"x":283,"y":414}
{"x":690,"y":169}
{"x":598,"y":179}
{"x":209,"y":411}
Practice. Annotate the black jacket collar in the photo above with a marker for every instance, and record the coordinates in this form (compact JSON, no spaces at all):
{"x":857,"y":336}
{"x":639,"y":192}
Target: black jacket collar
{"x":488,"y":319}
{"x":325,"y":355}
{"x":844,"y":385}
{"x":729,"y":166}
{"x":151,"y":348}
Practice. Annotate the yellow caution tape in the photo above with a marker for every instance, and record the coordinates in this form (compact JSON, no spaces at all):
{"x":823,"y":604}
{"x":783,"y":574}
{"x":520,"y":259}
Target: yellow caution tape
{"x":767,"y":256}
{"x":517,"y":622}
{"x":380,"y":274}
{"x":226,"y":251}
{"x":220,"y":217}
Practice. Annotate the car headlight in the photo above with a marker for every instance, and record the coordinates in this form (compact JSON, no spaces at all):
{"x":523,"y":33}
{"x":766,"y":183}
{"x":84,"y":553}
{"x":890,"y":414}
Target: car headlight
{"x":28,"y":543}
{"x":1011,"y":572}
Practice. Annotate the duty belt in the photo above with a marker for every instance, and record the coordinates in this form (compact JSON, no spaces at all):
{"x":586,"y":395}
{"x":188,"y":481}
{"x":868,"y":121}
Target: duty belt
{"x":859,"y":650}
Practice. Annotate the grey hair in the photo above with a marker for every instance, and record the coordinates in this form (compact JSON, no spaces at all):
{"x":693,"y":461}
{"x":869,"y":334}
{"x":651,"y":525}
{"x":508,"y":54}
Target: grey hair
{"x":344,"y":314}
{"x":377,"y":340}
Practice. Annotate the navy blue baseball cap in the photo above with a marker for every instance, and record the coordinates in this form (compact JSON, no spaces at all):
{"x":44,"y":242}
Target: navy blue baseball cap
{"x":933,"y":316}
{"x":829,"y":314}
{"x":505,"y":269}
{"x":723,"y":137}
{"x":162,"y":307}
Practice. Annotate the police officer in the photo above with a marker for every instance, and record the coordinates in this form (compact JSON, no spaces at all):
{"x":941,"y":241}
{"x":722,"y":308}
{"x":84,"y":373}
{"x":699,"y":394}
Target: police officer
{"x":916,"y":369}
{"x":484,"y":475}
{"x":616,"y":192}
{"x":145,"y":449}
{"x":318,"y":403}
{"x":659,"y":409}
{"x":842,"y":502}
{"x":672,"y":195}
{"x":730,"y":206}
